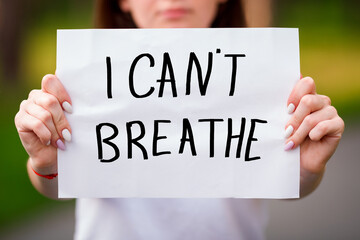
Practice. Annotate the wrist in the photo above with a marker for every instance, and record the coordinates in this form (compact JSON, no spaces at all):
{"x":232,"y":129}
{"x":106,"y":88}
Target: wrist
{"x":309,"y":181}
{"x":42,"y":170}
{"x":46,"y":186}
{"x":49,"y":176}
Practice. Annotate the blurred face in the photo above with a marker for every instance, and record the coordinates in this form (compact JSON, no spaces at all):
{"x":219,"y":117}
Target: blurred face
{"x":171,"y":13}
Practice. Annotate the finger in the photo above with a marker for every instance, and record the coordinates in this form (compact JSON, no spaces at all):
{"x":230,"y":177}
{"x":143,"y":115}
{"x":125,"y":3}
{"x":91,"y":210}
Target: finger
{"x":308,"y":104}
{"x":333,"y":127}
{"x":26,"y":123}
{"x":44,"y":116}
{"x":33,"y":93}
{"x":303,"y":87}
{"x":52,"y":85}
{"x":310,"y":122}
{"x":51,"y":104}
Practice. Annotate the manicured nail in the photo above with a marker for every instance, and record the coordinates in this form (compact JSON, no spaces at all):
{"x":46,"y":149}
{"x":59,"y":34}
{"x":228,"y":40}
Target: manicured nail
{"x":291,"y":108}
{"x":289,"y":130}
{"x":60,"y":144}
{"x":289,"y":146}
{"x":67,"y":107}
{"x":48,"y":143}
{"x":66,"y":135}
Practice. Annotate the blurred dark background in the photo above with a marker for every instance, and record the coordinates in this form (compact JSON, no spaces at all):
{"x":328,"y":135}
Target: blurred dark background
{"x":329,"y":47}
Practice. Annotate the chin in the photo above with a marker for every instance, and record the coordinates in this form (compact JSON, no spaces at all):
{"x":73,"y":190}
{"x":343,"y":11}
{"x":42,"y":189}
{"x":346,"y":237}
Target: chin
{"x":177,"y":23}
{"x":181,"y":25}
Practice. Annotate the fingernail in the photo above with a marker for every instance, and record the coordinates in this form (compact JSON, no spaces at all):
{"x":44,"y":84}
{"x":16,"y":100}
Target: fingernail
{"x":66,"y":135}
{"x":291,"y":108}
{"x":289,"y":146}
{"x":48,"y":143}
{"x":67,"y":107}
{"x":60,"y":144}
{"x":289,"y":130}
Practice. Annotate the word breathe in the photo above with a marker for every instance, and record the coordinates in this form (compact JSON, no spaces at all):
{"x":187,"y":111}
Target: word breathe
{"x":187,"y":138}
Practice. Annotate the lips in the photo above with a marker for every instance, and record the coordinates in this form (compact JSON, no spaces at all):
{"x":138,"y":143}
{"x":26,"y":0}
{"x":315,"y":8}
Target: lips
{"x":174,"y":13}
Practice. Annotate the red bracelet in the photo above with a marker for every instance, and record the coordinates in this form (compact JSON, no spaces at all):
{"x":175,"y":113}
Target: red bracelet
{"x":50,"y":176}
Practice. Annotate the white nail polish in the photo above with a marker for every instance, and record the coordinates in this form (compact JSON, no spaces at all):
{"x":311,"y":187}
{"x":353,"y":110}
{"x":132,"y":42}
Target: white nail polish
{"x":67,"y":107}
{"x":291,"y":108}
{"x":48,"y":143}
{"x":289,"y":130}
{"x":66,"y":135}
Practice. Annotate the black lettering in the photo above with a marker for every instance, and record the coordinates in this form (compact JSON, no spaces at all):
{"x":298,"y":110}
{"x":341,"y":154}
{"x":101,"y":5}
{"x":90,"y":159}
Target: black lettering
{"x":135,"y":141}
{"x":202,"y":84}
{"x":187,"y":131}
{"x":167,"y":65}
{"x":252,"y":139}
{"x":240,"y":138}
{"x":157,"y":137}
{"x":234,"y":69}
{"x":131,"y":75}
{"x":109,"y":81}
{"x":100,"y":140}
{"x":212,"y":133}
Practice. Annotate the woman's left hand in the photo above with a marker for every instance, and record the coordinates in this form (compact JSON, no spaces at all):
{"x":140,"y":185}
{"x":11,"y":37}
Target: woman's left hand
{"x":314,"y":125}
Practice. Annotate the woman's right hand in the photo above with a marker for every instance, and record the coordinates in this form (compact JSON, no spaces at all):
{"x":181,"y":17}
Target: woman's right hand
{"x":42,"y":125}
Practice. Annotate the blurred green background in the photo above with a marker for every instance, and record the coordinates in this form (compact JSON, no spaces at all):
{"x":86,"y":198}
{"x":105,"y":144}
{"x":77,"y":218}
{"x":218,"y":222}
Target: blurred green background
{"x":329,"y":46}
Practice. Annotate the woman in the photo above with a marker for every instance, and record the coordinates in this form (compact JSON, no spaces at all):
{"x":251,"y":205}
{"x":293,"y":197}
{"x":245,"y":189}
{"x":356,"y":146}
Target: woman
{"x":314,"y":126}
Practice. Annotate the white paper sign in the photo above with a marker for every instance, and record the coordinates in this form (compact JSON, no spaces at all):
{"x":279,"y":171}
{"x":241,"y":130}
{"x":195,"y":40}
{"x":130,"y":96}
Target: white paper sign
{"x":178,"y":112}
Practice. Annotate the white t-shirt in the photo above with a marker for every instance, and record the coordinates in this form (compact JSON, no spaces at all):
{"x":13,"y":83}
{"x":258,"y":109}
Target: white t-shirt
{"x":181,"y":219}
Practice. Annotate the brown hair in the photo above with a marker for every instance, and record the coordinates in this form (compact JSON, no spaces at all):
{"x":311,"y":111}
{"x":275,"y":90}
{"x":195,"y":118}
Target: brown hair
{"x":109,"y":15}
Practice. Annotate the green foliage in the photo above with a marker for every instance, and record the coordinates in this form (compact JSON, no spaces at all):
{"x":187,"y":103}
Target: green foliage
{"x":18,"y":194}
{"x":19,"y":197}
